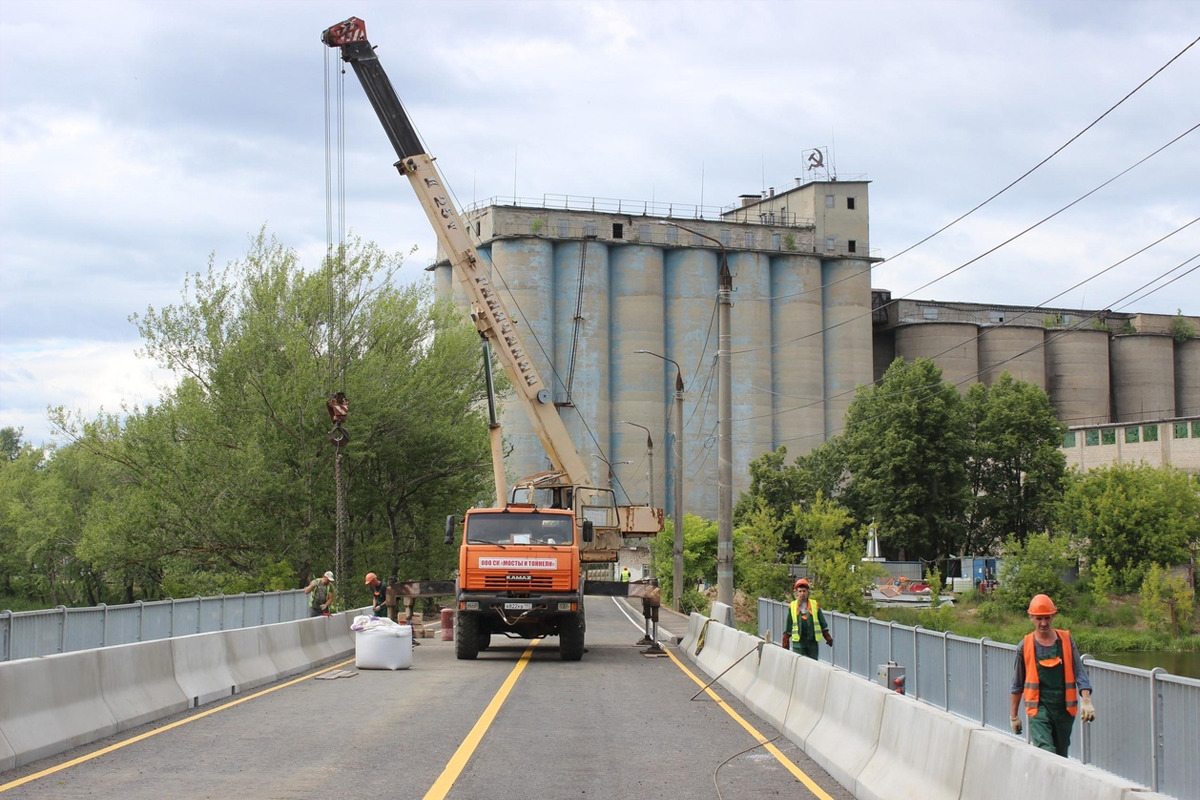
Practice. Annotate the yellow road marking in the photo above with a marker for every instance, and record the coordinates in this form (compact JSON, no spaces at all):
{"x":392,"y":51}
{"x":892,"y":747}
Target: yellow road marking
{"x":465,"y":750}
{"x":105,"y":750}
{"x":787,"y":763}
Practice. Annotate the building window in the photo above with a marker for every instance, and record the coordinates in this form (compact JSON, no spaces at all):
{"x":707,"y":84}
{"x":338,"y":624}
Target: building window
{"x":1196,"y":429}
{"x":929,"y":312}
{"x":589,"y":228}
{"x":1091,"y":438}
{"x":725,"y":238}
{"x":776,"y":241}
{"x":1108,"y":436}
{"x":564,"y":228}
{"x":850,"y":203}
{"x":1150,"y":433}
{"x":851,"y":246}
{"x":1069,"y":439}
{"x":996,"y":317}
{"x":672,"y":235}
{"x":829,"y":201}
{"x":1131,"y":435}
{"x":618,"y":231}
{"x":644,"y":232}
{"x":1181,"y":430}
{"x":751,"y":240}
{"x":830,"y":243}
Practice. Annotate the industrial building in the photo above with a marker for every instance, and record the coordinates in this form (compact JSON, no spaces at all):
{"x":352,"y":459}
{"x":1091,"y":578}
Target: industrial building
{"x":611,"y":295}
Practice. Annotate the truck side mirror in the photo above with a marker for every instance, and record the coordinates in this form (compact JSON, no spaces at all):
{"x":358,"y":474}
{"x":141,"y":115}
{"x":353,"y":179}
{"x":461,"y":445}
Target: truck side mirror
{"x":450,"y":523}
{"x":589,"y":531}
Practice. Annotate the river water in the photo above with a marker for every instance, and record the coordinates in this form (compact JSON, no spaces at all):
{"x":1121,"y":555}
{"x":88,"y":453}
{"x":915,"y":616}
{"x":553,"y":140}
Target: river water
{"x":1182,"y":664}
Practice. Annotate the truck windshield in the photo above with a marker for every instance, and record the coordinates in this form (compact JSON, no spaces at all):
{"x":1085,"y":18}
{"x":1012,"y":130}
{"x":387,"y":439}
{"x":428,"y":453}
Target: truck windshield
{"x":520,"y":529}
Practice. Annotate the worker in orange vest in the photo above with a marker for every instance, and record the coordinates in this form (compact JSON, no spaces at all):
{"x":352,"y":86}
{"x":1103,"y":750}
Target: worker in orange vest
{"x":1049,"y":675}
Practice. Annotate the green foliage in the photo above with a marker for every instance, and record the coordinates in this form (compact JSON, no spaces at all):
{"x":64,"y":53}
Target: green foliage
{"x":759,"y":558}
{"x":10,"y":442}
{"x":1132,"y":515}
{"x":789,"y":241}
{"x":227,"y":483}
{"x":1181,"y":329}
{"x":1033,"y":567}
{"x":905,"y":446}
{"x":1127,"y":328}
{"x":1102,"y":582}
{"x":1016,"y":470}
{"x":1099,"y":324}
{"x":1168,"y":602}
{"x":699,"y":559}
{"x":839,"y":577}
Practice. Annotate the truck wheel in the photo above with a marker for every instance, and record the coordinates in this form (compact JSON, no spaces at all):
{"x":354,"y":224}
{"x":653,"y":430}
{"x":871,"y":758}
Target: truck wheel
{"x":570,"y":638}
{"x":466,"y":636}
{"x":485,"y":640}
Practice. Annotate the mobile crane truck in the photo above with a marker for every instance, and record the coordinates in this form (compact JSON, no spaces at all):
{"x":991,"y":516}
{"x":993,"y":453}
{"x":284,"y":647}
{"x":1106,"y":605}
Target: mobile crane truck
{"x":521,"y":564}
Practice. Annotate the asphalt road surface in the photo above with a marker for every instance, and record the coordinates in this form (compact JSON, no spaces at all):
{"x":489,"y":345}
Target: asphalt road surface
{"x":515,"y":724}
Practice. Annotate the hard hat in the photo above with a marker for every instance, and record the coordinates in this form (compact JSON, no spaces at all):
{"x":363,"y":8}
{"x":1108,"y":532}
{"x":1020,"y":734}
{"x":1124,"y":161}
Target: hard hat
{"x":329,"y":576}
{"x":1042,"y":606}
{"x":370,"y":578}
{"x":801,"y":582}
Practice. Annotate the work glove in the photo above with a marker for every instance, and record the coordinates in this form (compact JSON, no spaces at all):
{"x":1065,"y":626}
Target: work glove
{"x":1015,"y":722}
{"x":1087,"y":711}
{"x":787,"y":641}
{"x":828,"y":638}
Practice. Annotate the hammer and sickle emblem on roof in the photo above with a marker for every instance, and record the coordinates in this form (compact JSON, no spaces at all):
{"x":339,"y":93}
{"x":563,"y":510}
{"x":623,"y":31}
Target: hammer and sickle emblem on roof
{"x":816,"y":159}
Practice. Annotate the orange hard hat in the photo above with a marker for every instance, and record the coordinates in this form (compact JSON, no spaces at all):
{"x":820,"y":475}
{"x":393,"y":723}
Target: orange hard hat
{"x":800,"y":582}
{"x":370,"y":578}
{"x":1042,"y":606}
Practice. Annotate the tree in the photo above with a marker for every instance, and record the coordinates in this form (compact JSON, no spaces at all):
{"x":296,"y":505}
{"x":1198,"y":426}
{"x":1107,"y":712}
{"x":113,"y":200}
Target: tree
{"x":759,"y":556}
{"x":905,"y":447}
{"x":1035,"y":566}
{"x":10,"y":442}
{"x":229,"y":479}
{"x":840,"y":579}
{"x":1167,"y":602}
{"x":699,"y":560}
{"x":1016,"y":470}
{"x":1132,"y":515}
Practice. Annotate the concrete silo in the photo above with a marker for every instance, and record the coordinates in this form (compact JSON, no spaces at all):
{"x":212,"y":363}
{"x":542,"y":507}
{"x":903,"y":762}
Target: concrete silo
{"x":1143,"y":367}
{"x":797,"y":321}
{"x":846,"y":301}
{"x":1017,"y":350}
{"x":1077,"y":375}
{"x":1187,"y":378}
{"x":751,"y":362}
{"x":953,"y":346}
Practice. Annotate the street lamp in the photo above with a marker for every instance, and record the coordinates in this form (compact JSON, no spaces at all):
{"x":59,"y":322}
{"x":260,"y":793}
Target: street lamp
{"x":649,"y":458}
{"x":724,"y":415}
{"x":610,"y":465}
{"x":677,"y":549}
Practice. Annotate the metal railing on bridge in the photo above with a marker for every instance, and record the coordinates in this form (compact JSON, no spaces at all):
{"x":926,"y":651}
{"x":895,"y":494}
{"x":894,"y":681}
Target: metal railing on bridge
{"x":29,"y":634}
{"x":1153,"y":743}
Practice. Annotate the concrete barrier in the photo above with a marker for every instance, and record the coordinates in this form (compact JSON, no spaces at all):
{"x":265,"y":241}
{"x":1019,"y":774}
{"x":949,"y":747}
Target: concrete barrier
{"x":137,"y":682}
{"x":770,"y":695}
{"x":845,"y":737}
{"x":341,"y":638}
{"x":1001,"y":767}
{"x":202,"y":667}
{"x":922,"y":752}
{"x":249,"y":653}
{"x":56,"y":704}
{"x":696,"y":622}
{"x":723,"y":646}
{"x":809,"y":681}
{"x":722,"y":613}
{"x":283,"y":643}
{"x":313,"y":642}
{"x":743,"y":672}
{"x":8,"y":758}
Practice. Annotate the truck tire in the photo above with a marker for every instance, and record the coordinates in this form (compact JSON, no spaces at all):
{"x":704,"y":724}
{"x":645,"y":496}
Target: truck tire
{"x":466,"y":636}
{"x":485,"y":640}
{"x":570,"y":637}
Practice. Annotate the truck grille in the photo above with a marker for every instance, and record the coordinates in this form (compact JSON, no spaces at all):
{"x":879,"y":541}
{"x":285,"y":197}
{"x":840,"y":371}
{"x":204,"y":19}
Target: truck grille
{"x":536,"y":583}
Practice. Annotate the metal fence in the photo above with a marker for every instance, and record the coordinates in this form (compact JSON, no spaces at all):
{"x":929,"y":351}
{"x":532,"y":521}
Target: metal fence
{"x":1146,"y":718}
{"x":29,"y":634}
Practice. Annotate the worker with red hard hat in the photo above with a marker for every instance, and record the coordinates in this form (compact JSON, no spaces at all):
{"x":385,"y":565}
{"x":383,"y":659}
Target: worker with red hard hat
{"x":1050,"y":677}
{"x":378,"y":595}
{"x":806,"y":623}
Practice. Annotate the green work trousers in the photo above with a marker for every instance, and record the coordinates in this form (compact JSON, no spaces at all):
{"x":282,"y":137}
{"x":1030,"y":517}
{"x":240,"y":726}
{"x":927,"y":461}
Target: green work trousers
{"x":1050,"y":728}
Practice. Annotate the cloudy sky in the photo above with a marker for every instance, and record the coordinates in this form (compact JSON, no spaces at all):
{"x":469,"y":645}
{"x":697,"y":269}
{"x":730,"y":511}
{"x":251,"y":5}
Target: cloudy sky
{"x":139,"y":139}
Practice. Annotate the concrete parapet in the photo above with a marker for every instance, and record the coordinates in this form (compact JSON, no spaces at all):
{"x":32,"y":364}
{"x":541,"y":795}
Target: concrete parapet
{"x":722,"y":613}
{"x":58,"y":705}
{"x":338,"y":634}
{"x":722,"y":647}
{"x":8,"y":758}
{"x":696,"y":622}
{"x":770,"y":695}
{"x":810,"y":678}
{"x":202,"y":667}
{"x":137,"y":682}
{"x":1001,"y":767}
{"x":844,"y":739}
{"x":313,"y":639}
{"x":283,"y":643}
{"x":922,"y":752}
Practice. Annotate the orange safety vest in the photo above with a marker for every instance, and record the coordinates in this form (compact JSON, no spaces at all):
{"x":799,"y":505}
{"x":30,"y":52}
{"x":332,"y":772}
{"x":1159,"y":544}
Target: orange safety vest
{"x":1032,"y":684}
{"x":813,"y":609}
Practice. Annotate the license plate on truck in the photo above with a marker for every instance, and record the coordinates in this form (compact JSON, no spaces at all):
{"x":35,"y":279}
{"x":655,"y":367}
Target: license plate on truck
{"x":518,"y":606}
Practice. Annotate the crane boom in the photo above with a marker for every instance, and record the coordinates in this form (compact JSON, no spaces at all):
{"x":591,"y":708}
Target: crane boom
{"x":487,"y":308}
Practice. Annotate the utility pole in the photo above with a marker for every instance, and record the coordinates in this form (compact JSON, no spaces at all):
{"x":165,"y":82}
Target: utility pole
{"x":677,"y":511}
